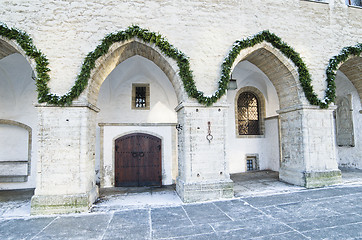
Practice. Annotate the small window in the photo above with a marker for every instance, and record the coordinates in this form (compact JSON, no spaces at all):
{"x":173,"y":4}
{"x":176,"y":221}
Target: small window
{"x":249,"y":165}
{"x":248,"y":114}
{"x":357,"y":3}
{"x":141,"y":96}
{"x":252,"y":162}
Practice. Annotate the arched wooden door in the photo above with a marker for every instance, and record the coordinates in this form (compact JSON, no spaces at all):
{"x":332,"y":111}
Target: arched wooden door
{"x":138,"y":160}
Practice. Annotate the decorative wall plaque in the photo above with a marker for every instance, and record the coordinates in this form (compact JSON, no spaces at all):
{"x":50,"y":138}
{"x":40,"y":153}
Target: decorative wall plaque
{"x":344,"y":121}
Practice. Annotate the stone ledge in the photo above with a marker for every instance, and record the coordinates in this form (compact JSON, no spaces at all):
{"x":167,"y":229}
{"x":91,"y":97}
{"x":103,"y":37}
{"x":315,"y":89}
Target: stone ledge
{"x":312,"y":179}
{"x":60,"y":204}
{"x":196,"y":192}
{"x":321,"y":179}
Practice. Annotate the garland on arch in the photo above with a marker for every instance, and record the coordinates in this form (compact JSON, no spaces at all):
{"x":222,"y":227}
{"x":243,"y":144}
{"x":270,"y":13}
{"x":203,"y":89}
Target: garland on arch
{"x":286,"y":50}
{"x":102,"y":49}
{"x":183,"y":63}
{"x":26,"y":43}
{"x":334,"y":64}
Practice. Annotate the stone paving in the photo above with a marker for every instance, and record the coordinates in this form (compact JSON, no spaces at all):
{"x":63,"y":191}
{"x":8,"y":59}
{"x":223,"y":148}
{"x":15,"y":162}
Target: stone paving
{"x":325,"y":213}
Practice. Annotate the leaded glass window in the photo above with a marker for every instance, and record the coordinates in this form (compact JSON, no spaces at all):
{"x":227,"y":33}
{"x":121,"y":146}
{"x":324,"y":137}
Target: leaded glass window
{"x":248,"y":114}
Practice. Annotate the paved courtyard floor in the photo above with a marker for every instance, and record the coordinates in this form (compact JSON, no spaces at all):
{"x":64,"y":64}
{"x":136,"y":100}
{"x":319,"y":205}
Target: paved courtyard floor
{"x":287,"y":212}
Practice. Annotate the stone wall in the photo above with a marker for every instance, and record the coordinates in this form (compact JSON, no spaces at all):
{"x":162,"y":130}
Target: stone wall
{"x":203,"y":30}
{"x":66,"y":31}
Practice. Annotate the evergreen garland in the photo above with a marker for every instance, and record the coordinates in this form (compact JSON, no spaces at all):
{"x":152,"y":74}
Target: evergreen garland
{"x":275,"y":41}
{"x":334,"y":64}
{"x":26,"y":43}
{"x":182,"y":62}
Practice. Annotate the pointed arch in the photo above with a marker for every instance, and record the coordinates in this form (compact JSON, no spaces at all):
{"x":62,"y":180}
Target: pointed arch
{"x":120,"y":52}
{"x":279,"y":69}
{"x":16,"y":41}
{"x":348,"y":61}
{"x":266,"y":37}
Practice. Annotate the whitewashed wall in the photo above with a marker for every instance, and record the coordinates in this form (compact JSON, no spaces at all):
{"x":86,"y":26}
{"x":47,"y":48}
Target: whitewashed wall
{"x":17,"y":98}
{"x":351,"y":156}
{"x":115,"y":98}
{"x":266,"y":147}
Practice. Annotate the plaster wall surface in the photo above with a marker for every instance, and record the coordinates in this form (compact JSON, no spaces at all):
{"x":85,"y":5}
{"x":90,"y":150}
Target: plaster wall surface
{"x":17,"y":98}
{"x":351,"y":156}
{"x":115,"y":104}
{"x":265,"y":145}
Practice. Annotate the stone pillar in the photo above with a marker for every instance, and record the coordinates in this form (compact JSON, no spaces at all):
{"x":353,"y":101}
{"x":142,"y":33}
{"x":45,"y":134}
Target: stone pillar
{"x":308,"y":147}
{"x":66,"y":164}
{"x":203,"y":170}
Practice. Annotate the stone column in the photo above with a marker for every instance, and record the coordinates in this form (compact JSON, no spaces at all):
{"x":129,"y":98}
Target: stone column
{"x":66,"y":164}
{"x":203,"y":170}
{"x":308,"y":147}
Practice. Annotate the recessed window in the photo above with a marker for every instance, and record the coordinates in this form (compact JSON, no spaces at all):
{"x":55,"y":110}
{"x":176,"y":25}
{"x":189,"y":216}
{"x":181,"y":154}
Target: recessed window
{"x":357,"y":3}
{"x":249,"y":165}
{"x":252,"y":162}
{"x":248,"y":114}
{"x":140,"y":96}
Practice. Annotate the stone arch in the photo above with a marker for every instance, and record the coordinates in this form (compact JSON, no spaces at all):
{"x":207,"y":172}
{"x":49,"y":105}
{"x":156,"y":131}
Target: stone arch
{"x":278,"y":68}
{"x":261,"y":109}
{"x":352,"y":68}
{"x":8,"y":47}
{"x":24,"y":174}
{"x":121,"y":51}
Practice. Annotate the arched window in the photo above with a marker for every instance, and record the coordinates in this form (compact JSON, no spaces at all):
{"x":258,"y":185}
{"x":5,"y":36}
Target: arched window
{"x":248,"y":114}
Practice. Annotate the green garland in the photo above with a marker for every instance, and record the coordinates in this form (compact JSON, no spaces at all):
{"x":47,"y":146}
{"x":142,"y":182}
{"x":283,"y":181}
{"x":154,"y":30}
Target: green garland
{"x":183,"y":63}
{"x":275,"y":41}
{"x":26,"y":43}
{"x":131,"y":32}
{"x":334,"y":64}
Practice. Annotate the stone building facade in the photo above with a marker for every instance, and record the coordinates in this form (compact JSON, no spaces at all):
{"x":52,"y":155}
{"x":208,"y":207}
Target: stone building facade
{"x":83,"y":83}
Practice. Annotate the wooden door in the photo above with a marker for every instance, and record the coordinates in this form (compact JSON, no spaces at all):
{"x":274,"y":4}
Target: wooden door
{"x":138,"y":160}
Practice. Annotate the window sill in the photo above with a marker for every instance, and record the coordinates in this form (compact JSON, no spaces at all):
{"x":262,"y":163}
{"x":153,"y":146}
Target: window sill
{"x":250,"y":136}
{"x":354,"y":6}
{"x":324,"y":2}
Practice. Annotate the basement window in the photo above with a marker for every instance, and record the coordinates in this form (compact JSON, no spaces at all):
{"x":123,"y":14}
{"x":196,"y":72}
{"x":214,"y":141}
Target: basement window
{"x":252,"y":162}
{"x":320,"y":1}
{"x":140,"y":96}
{"x":354,"y":3}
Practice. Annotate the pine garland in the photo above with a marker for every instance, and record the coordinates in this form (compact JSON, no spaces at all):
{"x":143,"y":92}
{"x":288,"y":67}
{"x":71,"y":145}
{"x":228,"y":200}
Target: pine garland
{"x":183,"y":63}
{"x":275,"y":41}
{"x":26,"y":43}
{"x":334,"y":64}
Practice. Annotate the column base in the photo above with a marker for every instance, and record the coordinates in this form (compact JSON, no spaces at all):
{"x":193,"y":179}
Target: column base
{"x":60,"y":204}
{"x":311,"y":179}
{"x":203,"y":191}
{"x":321,"y":179}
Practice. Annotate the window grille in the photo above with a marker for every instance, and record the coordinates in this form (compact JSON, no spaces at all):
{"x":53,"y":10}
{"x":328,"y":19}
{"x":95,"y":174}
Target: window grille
{"x":248,"y":114}
{"x":140,"y":97}
{"x":249,"y":165}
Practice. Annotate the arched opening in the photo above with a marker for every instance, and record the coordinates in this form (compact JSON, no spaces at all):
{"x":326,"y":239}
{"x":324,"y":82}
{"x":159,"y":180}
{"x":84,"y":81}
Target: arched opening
{"x":136,"y":90}
{"x":348,"y":113}
{"x":266,"y":74}
{"x":18,"y":119}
